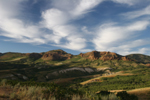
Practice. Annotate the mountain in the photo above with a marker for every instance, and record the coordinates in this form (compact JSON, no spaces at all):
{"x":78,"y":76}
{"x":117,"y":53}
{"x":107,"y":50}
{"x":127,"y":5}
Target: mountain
{"x":94,"y":55}
{"x":60,"y":55}
{"x":140,"y":57}
{"x":56,"y":55}
{"x":92,"y":71}
{"x":58,"y":64}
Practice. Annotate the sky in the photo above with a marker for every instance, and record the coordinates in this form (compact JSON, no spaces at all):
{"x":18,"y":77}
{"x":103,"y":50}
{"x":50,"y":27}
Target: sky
{"x":75,"y":26}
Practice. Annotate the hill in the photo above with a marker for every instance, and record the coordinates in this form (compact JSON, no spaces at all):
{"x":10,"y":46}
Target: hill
{"x":92,"y":71}
{"x":56,"y":55}
{"x":94,"y":55}
{"x":10,"y":56}
{"x":140,"y":57}
{"x":56,"y":64}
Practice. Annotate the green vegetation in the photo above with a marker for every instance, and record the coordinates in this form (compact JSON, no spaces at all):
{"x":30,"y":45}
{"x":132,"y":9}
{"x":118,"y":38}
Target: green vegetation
{"x":31,"y":90}
{"x":30,"y":73}
{"x":125,"y":96}
{"x":140,"y":57}
{"x":119,"y":83}
{"x":11,"y":56}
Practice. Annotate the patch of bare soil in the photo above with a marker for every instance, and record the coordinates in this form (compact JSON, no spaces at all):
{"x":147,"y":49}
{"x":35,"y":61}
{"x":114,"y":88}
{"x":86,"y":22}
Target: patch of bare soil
{"x":121,"y":73}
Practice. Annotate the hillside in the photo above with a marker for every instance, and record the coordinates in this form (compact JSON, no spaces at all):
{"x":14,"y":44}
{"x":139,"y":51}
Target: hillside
{"x":56,"y":64}
{"x":99,"y":71}
{"x":56,"y":55}
{"x":140,"y":57}
{"x":10,"y":56}
{"x":95,"y":55}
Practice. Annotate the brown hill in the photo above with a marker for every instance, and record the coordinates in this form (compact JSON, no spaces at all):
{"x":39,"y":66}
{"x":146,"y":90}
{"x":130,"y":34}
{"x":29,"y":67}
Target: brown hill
{"x":56,"y":55}
{"x":94,"y":55}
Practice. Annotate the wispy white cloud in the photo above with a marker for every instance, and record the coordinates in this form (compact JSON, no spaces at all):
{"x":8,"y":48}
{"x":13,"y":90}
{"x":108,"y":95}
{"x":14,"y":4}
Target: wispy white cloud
{"x":136,"y":51}
{"x":10,"y":8}
{"x":75,"y":43}
{"x":54,"y":17}
{"x":138,"y":13}
{"x":129,"y":2}
{"x":85,"y":30}
{"x":112,"y":37}
{"x":128,"y":47}
{"x":12,"y":26}
{"x":56,"y":26}
{"x":84,"y":6}
{"x":76,"y":8}
{"x":58,"y":18}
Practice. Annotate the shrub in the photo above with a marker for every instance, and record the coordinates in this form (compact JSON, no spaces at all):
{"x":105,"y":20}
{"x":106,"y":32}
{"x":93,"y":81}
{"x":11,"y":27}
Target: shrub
{"x":3,"y":82}
{"x":13,"y":96}
{"x":125,"y":96}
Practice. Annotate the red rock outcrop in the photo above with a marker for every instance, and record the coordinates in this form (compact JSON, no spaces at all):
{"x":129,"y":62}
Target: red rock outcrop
{"x":109,"y":57}
{"x":94,"y":55}
{"x":91,"y":55}
{"x":56,"y":55}
{"x":125,"y":58}
{"x":81,"y":54}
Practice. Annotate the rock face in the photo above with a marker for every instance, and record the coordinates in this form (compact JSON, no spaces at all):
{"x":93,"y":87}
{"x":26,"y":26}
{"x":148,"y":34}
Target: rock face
{"x":56,"y":55}
{"x":94,"y":55}
{"x":91,"y":55}
{"x":125,"y":58}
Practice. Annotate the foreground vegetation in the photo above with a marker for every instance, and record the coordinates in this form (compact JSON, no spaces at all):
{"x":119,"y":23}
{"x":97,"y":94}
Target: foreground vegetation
{"x":31,"y":90}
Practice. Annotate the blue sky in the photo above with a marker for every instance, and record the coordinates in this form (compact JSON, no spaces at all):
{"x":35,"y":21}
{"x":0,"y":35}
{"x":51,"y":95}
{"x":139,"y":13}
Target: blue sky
{"x":121,"y":26}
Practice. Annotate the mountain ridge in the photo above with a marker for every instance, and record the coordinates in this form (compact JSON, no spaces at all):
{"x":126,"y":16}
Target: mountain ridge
{"x":59,"y":54}
{"x":57,"y":64}
{"x":105,"y":55}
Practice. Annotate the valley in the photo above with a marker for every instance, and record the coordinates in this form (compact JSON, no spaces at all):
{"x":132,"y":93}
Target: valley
{"x":90,"y":72}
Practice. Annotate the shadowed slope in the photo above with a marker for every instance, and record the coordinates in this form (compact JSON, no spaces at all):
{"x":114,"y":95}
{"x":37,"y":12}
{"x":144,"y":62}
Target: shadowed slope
{"x":140,"y":57}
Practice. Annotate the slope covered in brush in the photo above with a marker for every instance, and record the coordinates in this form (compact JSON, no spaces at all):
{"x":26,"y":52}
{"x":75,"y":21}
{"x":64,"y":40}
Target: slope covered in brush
{"x":140,"y":57}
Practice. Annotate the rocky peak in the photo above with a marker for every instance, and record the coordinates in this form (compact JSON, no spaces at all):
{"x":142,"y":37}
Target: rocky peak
{"x":56,"y":55}
{"x":94,"y":55}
